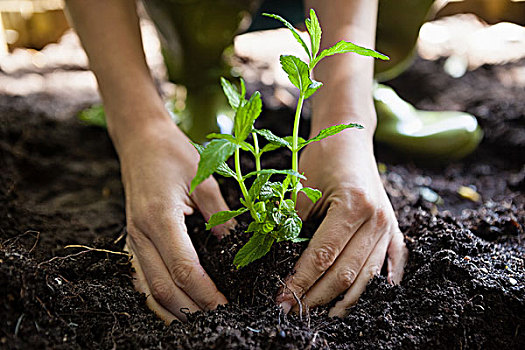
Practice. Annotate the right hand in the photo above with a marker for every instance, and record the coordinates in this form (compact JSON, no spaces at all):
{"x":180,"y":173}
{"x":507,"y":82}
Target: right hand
{"x":157,"y":167}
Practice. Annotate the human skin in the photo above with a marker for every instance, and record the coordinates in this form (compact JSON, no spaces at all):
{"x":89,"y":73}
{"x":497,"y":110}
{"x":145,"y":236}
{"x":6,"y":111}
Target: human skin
{"x":360,"y":227}
{"x":158,"y":163}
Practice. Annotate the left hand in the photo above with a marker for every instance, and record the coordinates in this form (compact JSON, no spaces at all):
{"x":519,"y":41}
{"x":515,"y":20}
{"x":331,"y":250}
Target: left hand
{"x":359,"y":230}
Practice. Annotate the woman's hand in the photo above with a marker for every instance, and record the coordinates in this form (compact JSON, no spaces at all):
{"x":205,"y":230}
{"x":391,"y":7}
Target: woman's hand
{"x":157,"y":162}
{"x":157,"y":168}
{"x":359,"y":229}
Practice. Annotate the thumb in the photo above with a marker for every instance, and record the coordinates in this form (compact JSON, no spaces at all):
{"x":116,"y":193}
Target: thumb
{"x":208,"y":199}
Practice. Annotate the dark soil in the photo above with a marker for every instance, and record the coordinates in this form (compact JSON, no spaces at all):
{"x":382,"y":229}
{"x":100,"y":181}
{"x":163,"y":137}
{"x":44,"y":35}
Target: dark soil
{"x":464,"y":285}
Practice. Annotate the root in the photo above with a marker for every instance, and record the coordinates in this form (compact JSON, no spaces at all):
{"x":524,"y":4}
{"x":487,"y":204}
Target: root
{"x":88,"y":249}
{"x":96,"y":249}
{"x":13,"y":240}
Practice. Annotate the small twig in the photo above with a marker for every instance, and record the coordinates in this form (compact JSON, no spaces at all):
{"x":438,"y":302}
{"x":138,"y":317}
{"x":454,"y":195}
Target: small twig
{"x":88,"y":249}
{"x":36,"y":242}
{"x":312,"y":341}
{"x":307,"y":309}
{"x":296,"y":299}
{"x":284,"y":260}
{"x":96,"y":249}
{"x":18,"y":323}
{"x":15,"y":239}
{"x":62,"y":258}
{"x":122,"y":235}
{"x":298,"y":303}
{"x":44,"y":306}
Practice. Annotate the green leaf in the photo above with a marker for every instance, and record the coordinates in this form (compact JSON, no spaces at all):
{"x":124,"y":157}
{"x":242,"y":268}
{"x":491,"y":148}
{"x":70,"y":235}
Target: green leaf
{"x":273,"y":171}
{"x":312,"y":88}
{"x":286,"y":183}
{"x":277,"y":216}
{"x":297,"y":70}
{"x":212,"y":157}
{"x":269,"y":147}
{"x":223,"y":216}
{"x":94,"y":115}
{"x":344,"y":47}
{"x":222,"y":136}
{"x":329,"y":131}
{"x":243,"y":89}
{"x":314,"y":29}
{"x":246,"y":115}
{"x":299,"y":239}
{"x":312,"y":193}
{"x":288,"y":206}
{"x":256,"y":248}
{"x":245,"y":146}
{"x":260,"y":211}
{"x":198,"y":147}
{"x":296,"y":34}
{"x":223,"y":169}
{"x":272,"y":138}
{"x":258,"y":183}
{"x":270,"y":190}
{"x":289,"y":139}
{"x":254,"y":227}
{"x":231,"y":92}
{"x":290,"y":229}
{"x":243,"y":202}
{"x":267,"y":227}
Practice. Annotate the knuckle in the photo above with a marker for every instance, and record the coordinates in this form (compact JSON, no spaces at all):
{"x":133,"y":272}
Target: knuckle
{"x":153,"y":209}
{"x":324,"y":257}
{"x":182,"y":272}
{"x":298,"y":284}
{"x":161,"y":292}
{"x":148,"y":213}
{"x":212,"y":303}
{"x":156,"y":214}
{"x":382,"y":217}
{"x":346,"y":277}
{"x":354,"y":199}
{"x":367,"y":207}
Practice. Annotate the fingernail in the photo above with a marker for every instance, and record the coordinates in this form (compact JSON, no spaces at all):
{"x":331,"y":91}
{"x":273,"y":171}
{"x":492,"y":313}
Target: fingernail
{"x":286,"y":306}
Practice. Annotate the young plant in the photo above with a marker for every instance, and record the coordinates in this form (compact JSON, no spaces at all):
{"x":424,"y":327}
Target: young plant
{"x":272,"y":205}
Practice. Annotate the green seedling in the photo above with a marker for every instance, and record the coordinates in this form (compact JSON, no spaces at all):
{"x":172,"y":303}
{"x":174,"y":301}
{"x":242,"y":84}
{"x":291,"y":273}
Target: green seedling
{"x":272,"y":205}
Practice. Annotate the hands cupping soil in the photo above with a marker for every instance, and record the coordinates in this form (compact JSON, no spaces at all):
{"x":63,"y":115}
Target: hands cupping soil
{"x":156,"y":173}
{"x":358,"y":231}
{"x":347,"y":250}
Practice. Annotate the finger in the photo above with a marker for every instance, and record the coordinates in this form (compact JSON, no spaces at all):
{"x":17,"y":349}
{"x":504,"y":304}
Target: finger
{"x":209,"y":200}
{"x":158,"y":279}
{"x":397,"y":258}
{"x":141,"y":285}
{"x":179,"y":256}
{"x":346,"y":268}
{"x":333,"y":234}
{"x":371,"y":268}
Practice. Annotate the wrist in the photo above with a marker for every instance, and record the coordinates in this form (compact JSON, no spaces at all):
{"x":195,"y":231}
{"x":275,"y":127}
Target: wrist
{"x":328,"y":115}
{"x":145,"y":124}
